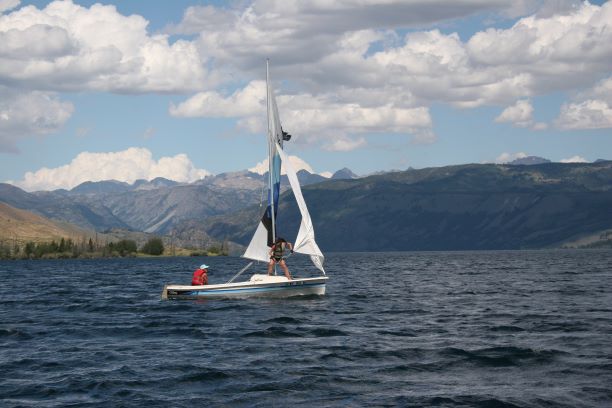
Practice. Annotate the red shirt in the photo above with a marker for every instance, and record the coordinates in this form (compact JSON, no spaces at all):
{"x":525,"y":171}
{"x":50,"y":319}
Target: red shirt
{"x":199,"y":277}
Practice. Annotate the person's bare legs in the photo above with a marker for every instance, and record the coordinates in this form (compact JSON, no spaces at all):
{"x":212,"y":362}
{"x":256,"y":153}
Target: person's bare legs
{"x":284,"y":266}
{"x":270,"y":267}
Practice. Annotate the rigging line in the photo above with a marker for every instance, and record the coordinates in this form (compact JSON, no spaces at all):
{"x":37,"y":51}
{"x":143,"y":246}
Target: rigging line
{"x":239,"y":273}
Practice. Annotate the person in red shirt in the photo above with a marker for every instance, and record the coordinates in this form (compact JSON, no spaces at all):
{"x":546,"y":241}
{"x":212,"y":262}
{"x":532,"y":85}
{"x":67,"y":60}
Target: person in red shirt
{"x":200,"y":276}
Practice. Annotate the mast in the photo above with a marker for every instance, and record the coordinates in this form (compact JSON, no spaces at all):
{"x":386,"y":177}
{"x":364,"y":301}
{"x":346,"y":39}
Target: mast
{"x":271,"y":148}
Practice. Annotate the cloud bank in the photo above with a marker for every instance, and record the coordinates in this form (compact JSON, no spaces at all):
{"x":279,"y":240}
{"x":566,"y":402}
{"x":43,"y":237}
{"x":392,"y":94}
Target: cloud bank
{"x":68,"y":47}
{"x":349,"y":74}
{"x":128,"y":165}
{"x":344,"y":71}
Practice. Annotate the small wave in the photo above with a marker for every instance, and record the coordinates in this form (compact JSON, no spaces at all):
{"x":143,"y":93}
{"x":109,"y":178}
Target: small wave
{"x":235,"y":306}
{"x":598,"y":393}
{"x":272,"y":332}
{"x":398,"y":333}
{"x":205,"y":375}
{"x":466,"y":400}
{"x":21,"y":364}
{"x":327,"y":332}
{"x":381,"y":355}
{"x":333,"y":355}
{"x":507,"y":329}
{"x":15,"y":333}
{"x":564,"y":327}
{"x":412,"y":368}
{"x":282,"y":320}
{"x":502,"y":356}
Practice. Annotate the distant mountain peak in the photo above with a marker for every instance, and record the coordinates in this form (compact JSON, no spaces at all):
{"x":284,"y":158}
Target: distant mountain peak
{"x":158,"y":182}
{"x":104,"y":186}
{"x":344,"y":174}
{"x":528,"y":161}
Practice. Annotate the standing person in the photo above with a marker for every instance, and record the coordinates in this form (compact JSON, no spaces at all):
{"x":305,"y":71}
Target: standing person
{"x":200,"y":276}
{"x":276,"y":256}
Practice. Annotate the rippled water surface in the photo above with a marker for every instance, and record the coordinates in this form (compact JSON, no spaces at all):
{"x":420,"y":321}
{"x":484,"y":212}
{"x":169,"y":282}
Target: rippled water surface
{"x":524,"y":328}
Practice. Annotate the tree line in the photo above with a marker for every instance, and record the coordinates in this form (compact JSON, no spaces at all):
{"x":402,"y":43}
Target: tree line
{"x":68,"y":248}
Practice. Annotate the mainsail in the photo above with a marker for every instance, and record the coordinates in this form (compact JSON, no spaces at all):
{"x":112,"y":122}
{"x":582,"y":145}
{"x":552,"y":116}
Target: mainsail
{"x":265,"y":234}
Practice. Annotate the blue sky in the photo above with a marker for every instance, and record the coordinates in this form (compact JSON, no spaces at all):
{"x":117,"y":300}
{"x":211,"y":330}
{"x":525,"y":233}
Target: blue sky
{"x":132,"y":89}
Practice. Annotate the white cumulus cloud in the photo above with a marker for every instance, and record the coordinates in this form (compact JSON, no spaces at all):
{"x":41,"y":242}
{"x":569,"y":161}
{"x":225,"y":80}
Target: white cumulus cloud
{"x":322,"y":119}
{"x":508,"y":157}
{"x":6,"y":5}
{"x":591,"y":110}
{"x":128,"y":165}
{"x":296,"y":162}
{"x":575,"y":159}
{"x":27,"y":114}
{"x":326,"y":46}
{"x":345,"y":72}
{"x":520,"y":115}
{"x":250,"y":100}
{"x":344,"y":144}
{"x":65,"y":46}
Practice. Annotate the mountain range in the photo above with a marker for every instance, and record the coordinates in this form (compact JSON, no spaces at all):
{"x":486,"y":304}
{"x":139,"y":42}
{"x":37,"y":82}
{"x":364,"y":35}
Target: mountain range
{"x":159,"y":206}
{"x":476,"y":206}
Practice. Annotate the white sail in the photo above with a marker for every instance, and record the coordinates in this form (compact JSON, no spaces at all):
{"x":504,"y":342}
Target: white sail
{"x":258,"y":247}
{"x":305,"y":242}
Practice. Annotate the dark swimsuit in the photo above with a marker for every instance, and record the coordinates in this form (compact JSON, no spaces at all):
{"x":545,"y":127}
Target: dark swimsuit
{"x":277,"y":255}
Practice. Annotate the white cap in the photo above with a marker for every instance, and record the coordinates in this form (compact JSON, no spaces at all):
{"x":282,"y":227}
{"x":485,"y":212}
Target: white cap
{"x":203,"y":266}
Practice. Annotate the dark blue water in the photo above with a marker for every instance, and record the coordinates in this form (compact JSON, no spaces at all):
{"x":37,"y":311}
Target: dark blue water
{"x":524,"y":328}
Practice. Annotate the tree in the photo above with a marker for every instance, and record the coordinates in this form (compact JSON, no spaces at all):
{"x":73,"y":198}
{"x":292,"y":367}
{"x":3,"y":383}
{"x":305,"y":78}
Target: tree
{"x":29,"y":249}
{"x":154,"y":246}
{"x":126,"y":247}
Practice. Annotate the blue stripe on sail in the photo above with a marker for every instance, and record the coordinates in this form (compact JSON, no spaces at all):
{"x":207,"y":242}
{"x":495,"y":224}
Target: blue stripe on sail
{"x":276,"y":169}
{"x":273,"y":192}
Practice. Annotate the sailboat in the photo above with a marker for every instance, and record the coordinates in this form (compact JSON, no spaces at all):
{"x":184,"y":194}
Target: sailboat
{"x":264,"y":285}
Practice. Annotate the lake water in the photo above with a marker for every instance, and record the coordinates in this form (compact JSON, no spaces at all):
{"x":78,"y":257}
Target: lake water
{"x":511,"y":328}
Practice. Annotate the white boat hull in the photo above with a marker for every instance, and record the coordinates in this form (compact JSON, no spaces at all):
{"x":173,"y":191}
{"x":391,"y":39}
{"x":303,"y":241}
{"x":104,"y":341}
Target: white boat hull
{"x":258,"y":286}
